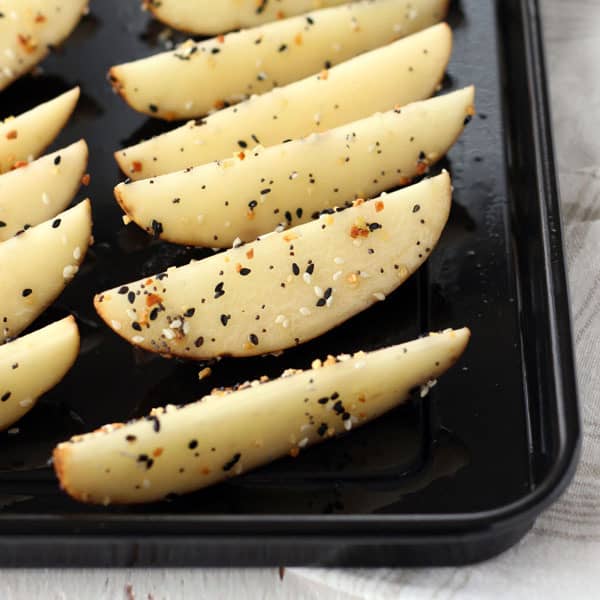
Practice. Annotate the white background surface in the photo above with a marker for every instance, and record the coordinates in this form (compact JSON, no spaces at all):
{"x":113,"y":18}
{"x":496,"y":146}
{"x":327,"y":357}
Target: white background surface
{"x":560,"y":557}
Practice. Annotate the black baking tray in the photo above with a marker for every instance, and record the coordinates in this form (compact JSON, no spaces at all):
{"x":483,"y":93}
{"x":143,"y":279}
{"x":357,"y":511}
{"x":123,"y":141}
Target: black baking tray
{"x":455,"y":479}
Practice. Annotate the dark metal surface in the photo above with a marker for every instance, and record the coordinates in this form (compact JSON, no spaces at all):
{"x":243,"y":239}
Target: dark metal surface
{"x":456,"y":479}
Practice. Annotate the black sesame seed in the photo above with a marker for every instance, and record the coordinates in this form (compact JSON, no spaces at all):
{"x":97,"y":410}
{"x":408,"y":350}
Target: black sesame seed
{"x":131,"y":297}
{"x":225,"y":320}
{"x":131,"y":438}
{"x":57,"y":160}
{"x":245,"y":271}
{"x":189,"y":312}
{"x":153,"y":314}
{"x":26,"y":292}
{"x":335,"y":396}
{"x":295,"y":269}
{"x":5,"y":396}
{"x":321,"y":302}
{"x":56,"y":223}
{"x":323,"y":400}
{"x":123,"y":290}
{"x":193,"y":444}
{"x":230,"y":464}
{"x":135,"y":325}
{"x":153,"y":108}
{"x":416,"y":208}
{"x":253,"y":338}
{"x":322,"y":429}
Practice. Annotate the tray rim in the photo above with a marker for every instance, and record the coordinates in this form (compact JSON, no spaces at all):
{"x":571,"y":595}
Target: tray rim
{"x":357,"y":527}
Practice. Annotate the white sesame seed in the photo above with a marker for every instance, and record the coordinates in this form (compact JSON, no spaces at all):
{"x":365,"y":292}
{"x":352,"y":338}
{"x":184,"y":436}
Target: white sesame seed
{"x":305,"y":311}
{"x":146,"y":483}
{"x":176,"y":324}
{"x":168,"y":333}
{"x":412,"y":14}
{"x":70,"y":271}
{"x":237,"y":242}
{"x":286,"y":323}
{"x":227,"y":224}
{"x":26,"y":402}
{"x":305,"y":427}
{"x":318,"y":291}
{"x":357,"y":243}
{"x":329,"y":301}
{"x":293,"y":175}
{"x":45,"y":199}
{"x":116,"y":325}
{"x":137,"y":339}
{"x":307,"y":278}
{"x":188,"y":105}
{"x":338,"y":261}
{"x":186,"y":328}
{"x":360,"y":364}
{"x":365,"y":274}
{"x":77,"y":253}
{"x":200,"y":218}
{"x":397,"y":28}
{"x":379,"y":296}
{"x":279,"y":319}
{"x":13,"y":431}
{"x":131,"y":314}
{"x":303,"y":442}
{"x":317,"y":118}
{"x":337,"y":275}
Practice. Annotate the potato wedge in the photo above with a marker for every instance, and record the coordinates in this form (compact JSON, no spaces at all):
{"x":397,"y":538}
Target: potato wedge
{"x":25,"y":137}
{"x":286,"y":288}
{"x":36,"y":266}
{"x":199,"y":77}
{"x":29,"y":28}
{"x":402,"y":72}
{"x":40,"y":190}
{"x":207,"y":17}
{"x":34,"y":364}
{"x":251,"y":194}
{"x":181,"y":449}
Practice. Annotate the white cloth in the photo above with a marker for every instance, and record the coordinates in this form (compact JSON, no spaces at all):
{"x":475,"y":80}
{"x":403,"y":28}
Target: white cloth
{"x":560,"y":558}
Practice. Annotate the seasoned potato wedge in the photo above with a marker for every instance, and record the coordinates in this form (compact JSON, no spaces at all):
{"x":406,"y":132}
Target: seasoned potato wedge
{"x":29,"y":28}
{"x":208,"y":17}
{"x":252,"y":193}
{"x":287,"y":287}
{"x":181,"y":449}
{"x":41,"y":189}
{"x":34,"y":364}
{"x":25,"y":137}
{"x":402,"y":72}
{"x":36,"y":266}
{"x":199,"y":77}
